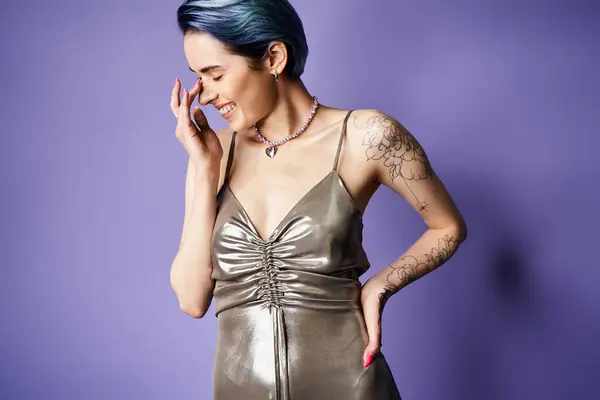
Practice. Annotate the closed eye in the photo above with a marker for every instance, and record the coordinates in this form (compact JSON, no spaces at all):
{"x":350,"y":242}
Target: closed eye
{"x":218,"y":78}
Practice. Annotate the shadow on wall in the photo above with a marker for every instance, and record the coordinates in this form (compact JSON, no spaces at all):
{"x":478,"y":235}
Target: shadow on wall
{"x":495,"y":326}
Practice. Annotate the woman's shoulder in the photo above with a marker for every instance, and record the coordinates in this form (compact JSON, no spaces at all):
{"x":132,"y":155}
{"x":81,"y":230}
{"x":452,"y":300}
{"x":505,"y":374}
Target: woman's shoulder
{"x":369,"y":124}
{"x":361,"y":124}
{"x":360,"y":118}
{"x":370,"y":134}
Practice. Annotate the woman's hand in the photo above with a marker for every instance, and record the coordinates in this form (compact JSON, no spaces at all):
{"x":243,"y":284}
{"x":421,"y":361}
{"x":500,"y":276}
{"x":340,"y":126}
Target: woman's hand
{"x":203,"y":146}
{"x":373,"y":296}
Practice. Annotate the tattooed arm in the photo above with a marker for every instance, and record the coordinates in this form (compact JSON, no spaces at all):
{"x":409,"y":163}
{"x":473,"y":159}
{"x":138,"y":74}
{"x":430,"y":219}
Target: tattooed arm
{"x":399,"y":162}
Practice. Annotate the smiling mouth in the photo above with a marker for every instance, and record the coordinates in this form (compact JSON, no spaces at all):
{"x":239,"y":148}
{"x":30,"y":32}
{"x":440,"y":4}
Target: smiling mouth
{"x":227,"y":109}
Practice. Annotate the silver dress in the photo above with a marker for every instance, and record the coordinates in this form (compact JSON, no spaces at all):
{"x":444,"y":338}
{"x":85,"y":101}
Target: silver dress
{"x":290,"y":324}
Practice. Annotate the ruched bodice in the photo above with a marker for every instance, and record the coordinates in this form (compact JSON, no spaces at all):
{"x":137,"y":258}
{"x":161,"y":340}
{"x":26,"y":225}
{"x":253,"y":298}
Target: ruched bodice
{"x":301,"y":263}
{"x":269,"y":291}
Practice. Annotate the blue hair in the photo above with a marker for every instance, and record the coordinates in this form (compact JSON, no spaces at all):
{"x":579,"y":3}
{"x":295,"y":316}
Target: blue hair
{"x":247,"y":27}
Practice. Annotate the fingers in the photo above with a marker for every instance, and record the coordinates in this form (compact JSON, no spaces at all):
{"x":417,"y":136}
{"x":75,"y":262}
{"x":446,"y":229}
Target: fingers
{"x":200,"y":119}
{"x":371,"y":350}
{"x":369,"y":354}
{"x":176,"y":103}
{"x":196,"y":88}
{"x":184,"y":108}
{"x":373,"y":323}
{"x":175,"y":97}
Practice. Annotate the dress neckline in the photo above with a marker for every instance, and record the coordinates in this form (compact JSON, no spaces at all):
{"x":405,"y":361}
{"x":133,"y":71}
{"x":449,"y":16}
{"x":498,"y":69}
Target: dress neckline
{"x":303,"y":198}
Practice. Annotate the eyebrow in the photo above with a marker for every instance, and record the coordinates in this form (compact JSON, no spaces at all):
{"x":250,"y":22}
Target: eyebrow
{"x":206,"y":69}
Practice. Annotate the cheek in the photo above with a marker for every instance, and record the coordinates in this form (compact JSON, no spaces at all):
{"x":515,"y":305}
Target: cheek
{"x":243,"y":95}
{"x":243,"y":91}
{"x":251,"y":97}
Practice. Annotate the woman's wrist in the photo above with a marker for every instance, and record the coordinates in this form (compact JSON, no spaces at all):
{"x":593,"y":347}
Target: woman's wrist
{"x":384,"y":287}
{"x":206,"y":183}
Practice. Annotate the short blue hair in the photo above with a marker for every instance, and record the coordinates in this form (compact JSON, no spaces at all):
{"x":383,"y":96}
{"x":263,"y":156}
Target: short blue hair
{"x":247,"y":27}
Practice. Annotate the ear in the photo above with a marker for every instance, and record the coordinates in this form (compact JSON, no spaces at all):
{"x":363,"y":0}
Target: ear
{"x":276,"y":57}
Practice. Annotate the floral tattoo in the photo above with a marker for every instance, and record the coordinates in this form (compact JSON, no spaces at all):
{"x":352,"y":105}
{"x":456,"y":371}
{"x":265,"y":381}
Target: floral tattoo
{"x":386,"y":139}
{"x":411,"y":269}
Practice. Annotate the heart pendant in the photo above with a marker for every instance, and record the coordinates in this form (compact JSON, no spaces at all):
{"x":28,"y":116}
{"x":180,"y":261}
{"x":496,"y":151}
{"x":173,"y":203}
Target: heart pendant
{"x":271,"y":151}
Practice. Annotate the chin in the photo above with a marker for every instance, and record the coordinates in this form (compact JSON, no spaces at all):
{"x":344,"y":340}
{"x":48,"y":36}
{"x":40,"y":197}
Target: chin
{"x":233,"y":123}
{"x":233,"y":126}
{"x":238,"y":126}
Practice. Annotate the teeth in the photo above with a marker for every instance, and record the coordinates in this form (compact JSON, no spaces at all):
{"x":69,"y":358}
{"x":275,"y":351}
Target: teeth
{"x":226,"y":109}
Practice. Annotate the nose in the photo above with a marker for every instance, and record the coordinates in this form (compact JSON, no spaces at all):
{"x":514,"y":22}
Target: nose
{"x":206,"y":95}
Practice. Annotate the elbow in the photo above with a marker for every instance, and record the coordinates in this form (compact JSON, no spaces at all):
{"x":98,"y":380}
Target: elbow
{"x":195,"y":306}
{"x":458,"y":230}
{"x":194,"y":302}
{"x":193,"y":310}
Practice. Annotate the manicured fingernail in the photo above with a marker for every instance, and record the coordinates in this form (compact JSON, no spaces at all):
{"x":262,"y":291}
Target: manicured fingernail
{"x":176,"y":80}
{"x":368,"y":361}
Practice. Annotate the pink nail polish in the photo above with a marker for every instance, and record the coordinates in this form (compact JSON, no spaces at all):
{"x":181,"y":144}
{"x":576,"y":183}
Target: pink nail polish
{"x":368,"y":361}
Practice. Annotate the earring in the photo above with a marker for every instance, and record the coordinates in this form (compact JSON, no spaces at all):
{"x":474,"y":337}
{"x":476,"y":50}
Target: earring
{"x":276,"y":76}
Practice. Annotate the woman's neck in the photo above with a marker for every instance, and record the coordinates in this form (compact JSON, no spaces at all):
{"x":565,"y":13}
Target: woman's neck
{"x":291,"y":111}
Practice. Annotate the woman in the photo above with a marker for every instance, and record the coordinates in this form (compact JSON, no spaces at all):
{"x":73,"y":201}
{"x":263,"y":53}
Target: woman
{"x":274,"y":203}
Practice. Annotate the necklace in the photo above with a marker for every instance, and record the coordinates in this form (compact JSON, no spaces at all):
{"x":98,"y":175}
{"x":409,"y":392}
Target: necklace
{"x":272,"y":149}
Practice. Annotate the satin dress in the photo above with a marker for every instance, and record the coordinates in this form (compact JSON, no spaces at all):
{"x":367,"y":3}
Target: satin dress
{"x":290,"y":324}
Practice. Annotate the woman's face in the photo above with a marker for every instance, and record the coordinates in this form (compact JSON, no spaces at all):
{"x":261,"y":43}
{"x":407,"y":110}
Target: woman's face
{"x":227,"y":79}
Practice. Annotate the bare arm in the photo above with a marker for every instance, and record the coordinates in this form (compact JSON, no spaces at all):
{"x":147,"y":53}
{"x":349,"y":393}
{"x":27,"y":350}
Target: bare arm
{"x":191,"y":270}
{"x":192,"y":267}
{"x":399,"y":162}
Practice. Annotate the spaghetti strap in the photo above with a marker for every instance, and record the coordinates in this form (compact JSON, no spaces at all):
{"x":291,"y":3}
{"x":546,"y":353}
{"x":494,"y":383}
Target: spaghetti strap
{"x":229,"y":157}
{"x":337,"y":155}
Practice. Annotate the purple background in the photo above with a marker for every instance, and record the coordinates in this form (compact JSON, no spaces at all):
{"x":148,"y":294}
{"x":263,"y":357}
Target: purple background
{"x":503,"y":95}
